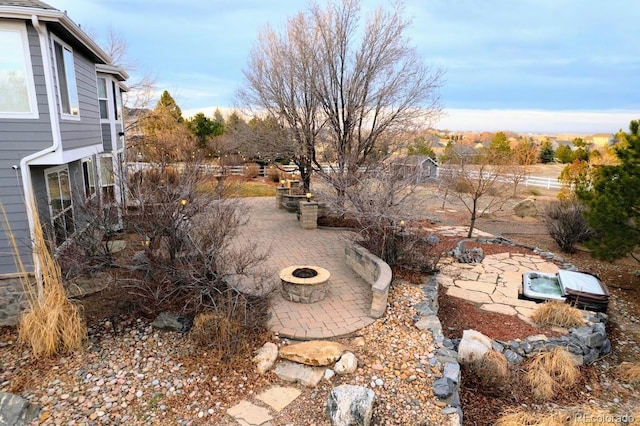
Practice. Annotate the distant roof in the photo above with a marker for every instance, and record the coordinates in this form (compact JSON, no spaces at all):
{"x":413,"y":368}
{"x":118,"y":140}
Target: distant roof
{"x":413,"y":159}
{"x":27,"y":3}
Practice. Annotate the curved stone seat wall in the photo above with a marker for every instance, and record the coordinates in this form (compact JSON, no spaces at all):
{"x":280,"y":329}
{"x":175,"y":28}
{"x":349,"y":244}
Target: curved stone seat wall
{"x":374,"y":271}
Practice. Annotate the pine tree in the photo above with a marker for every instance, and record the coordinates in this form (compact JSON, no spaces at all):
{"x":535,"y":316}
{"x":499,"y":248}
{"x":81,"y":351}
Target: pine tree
{"x":613,"y":202}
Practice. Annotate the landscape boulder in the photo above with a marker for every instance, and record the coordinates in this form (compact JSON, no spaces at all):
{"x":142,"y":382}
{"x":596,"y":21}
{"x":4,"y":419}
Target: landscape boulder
{"x":266,"y":357}
{"x":172,"y":322}
{"x":473,"y":346}
{"x":315,"y":352}
{"x":298,"y":373}
{"x":526,"y":208}
{"x":347,"y":364}
{"x":15,"y":410}
{"x":349,"y":405}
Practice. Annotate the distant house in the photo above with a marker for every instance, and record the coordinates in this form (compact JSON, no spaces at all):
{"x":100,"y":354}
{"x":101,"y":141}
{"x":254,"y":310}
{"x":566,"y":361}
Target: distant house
{"x":61,"y":132}
{"x":422,"y":167}
{"x":603,"y":139}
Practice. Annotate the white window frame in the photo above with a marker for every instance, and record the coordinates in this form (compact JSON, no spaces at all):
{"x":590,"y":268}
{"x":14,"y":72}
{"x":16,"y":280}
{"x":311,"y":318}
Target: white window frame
{"x":31,"y":88}
{"x":63,"y":209}
{"x":92,"y":184}
{"x":65,"y":46}
{"x":107,"y":83}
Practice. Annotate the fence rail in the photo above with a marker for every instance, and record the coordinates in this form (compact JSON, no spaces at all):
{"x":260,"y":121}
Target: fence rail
{"x":217,"y":171}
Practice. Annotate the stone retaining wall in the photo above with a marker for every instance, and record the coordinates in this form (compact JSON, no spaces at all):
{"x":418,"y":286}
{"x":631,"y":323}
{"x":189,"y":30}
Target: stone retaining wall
{"x":375,"y":272}
{"x":585,"y":344}
{"x":12,"y":299}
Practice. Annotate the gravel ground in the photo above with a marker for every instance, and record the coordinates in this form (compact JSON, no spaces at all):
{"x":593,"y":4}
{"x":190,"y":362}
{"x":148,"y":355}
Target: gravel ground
{"x":132,"y":374}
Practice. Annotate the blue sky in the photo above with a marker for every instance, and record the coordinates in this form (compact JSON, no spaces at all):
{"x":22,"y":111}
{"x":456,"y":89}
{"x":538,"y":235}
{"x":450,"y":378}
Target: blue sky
{"x":523,"y":65}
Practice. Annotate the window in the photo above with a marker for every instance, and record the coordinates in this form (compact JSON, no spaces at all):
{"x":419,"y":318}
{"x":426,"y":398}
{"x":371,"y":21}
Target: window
{"x":117,"y":107}
{"x":17,"y":89}
{"x":107,"y":179}
{"x":60,"y":205}
{"x":66,"y":79}
{"x":102,"y":98}
{"x":89,"y":175}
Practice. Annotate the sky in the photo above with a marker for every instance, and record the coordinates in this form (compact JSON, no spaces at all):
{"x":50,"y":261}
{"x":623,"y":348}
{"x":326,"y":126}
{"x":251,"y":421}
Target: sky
{"x":522,"y":65}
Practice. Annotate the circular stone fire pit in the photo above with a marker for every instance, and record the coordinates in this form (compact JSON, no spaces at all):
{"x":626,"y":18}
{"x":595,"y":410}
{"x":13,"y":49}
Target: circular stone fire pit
{"x":304,"y":284}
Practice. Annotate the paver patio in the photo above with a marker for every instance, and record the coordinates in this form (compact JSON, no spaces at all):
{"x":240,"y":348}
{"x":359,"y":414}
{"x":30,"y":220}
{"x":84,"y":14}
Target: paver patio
{"x":348,"y":302}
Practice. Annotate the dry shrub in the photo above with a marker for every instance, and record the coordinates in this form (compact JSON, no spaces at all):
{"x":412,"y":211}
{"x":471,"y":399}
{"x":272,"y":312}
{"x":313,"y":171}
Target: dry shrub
{"x":234,"y":326}
{"x":558,"y":314}
{"x":629,"y":372}
{"x":251,"y":170}
{"x":51,"y":324}
{"x":492,"y":370}
{"x":550,"y":372}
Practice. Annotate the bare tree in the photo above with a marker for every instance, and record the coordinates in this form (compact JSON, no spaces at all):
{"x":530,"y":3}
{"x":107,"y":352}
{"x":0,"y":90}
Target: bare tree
{"x":280,"y":81}
{"x":342,"y":90}
{"x":142,"y":89}
{"x":479,"y":182}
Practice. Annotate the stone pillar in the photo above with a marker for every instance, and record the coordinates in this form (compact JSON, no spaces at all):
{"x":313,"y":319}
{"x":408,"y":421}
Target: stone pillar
{"x":280,"y":190}
{"x":293,"y":184}
{"x":308,"y":214}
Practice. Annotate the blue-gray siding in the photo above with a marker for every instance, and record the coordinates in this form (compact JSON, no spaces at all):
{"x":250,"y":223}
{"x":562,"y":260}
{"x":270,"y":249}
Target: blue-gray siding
{"x":19,"y":138}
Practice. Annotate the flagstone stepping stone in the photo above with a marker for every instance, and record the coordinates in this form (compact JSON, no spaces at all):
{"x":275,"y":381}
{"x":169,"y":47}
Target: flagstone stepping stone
{"x":488,"y":278}
{"x":278,"y":397}
{"x":315,"y":352}
{"x":499,"y":308}
{"x":472,"y":296}
{"x":248,"y":414}
{"x":476,"y":286}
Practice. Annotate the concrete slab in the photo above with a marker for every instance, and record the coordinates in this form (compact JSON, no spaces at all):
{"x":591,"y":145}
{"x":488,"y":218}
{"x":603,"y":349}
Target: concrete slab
{"x":249,"y":414}
{"x":278,"y":397}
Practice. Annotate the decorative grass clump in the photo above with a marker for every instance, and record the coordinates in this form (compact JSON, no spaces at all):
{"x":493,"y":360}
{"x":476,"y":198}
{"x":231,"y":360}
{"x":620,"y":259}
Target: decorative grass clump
{"x":570,"y":416}
{"x":51,"y":323}
{"x":550,"y":372}
{"x":557,"y":313}
{"x":492,"y":370}
{"x":629,"y":372}
{"x":520,"y":417}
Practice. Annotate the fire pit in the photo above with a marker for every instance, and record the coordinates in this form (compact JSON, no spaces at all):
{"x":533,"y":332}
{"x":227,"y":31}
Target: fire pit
{"x":304,"y":284}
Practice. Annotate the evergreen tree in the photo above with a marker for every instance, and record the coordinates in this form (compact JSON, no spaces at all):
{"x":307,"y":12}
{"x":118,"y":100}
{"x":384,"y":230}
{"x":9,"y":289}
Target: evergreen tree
{"x":613,"y":202}
{"x":421,"y":147}
{"x":169,"y":104}
{"x":547,"y":154}
{"x":500,"y":144}
{"x":564,"y":154}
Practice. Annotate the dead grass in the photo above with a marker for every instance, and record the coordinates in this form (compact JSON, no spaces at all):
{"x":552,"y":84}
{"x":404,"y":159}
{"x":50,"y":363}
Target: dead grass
{"x":51,"y":323}
{"x":629,"y":372}
{"x":550,"y":372}
{"x":492,"y":370}
{"x":554,"y":313}
{"x":571,"y":416}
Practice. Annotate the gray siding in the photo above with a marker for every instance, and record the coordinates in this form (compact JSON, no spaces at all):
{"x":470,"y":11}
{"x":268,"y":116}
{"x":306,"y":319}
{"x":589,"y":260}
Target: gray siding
{"x":106,"y":137}
{"x":19,"y":138}
{"x":86,"y":131}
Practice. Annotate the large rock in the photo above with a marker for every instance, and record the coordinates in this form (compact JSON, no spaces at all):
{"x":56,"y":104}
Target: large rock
{"x":266,"y":357}
{"x":172,"y":322}
{"x":473,"y":346}
{"x":349,"y":405}
{"x":347,"y":364}
{"x":16,"y":411}
{"x":315,"y":352}
{"x":526,"y":208}
{"x":298,"y":373}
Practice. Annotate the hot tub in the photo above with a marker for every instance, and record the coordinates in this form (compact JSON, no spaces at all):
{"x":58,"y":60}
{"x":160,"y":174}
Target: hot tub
{"x":580,"y":289}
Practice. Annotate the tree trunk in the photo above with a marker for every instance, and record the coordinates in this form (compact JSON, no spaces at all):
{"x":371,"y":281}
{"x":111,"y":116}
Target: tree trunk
{"x":473,"y":218}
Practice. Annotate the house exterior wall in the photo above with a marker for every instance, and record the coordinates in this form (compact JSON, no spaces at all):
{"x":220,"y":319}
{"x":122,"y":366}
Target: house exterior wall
{"x":19,"y":138}
{"x":106,"y":137}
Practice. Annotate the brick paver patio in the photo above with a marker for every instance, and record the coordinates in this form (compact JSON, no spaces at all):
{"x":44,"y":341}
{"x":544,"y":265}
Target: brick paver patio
{"x":346,"y":307}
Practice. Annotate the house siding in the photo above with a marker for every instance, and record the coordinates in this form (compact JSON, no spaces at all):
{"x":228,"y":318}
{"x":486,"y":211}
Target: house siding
{"x":19,"y":138}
